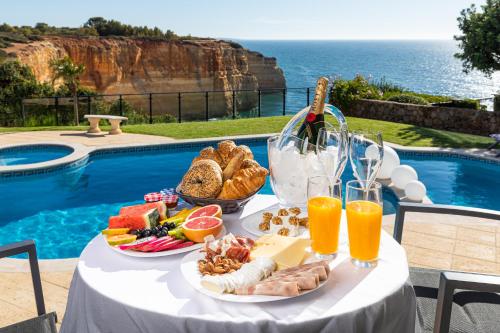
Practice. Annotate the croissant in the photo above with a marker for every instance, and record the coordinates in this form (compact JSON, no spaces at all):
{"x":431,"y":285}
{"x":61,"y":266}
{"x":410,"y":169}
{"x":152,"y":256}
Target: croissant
{"x":208,"y":153}
{"x":243,"y":183}
{"x":224,"y":148}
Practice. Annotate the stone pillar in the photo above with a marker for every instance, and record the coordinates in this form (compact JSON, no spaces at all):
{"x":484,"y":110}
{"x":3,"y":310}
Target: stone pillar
{"x":496,"y":103}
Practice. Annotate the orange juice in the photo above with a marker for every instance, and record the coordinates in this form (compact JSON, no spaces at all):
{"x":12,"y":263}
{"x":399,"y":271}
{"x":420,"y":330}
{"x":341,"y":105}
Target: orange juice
{"x":324,"y":222}
{"x":364,"y":223}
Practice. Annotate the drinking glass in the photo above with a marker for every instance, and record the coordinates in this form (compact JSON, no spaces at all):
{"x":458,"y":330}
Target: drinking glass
{"x":366,"y":153}
{"x":332,"y":149}
{"x":324,"y":209}
{"x":364,"y":221}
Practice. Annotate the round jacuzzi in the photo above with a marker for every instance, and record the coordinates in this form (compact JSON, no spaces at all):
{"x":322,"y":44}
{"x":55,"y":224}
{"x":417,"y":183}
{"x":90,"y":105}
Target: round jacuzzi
{"x":29,"y":154}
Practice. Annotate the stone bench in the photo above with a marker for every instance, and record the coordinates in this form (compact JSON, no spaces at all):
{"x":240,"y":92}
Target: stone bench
{"x":113,"y":120}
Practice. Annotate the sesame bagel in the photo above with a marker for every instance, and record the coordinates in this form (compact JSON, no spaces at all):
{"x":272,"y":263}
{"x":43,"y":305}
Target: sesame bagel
{"x":203,"y":179}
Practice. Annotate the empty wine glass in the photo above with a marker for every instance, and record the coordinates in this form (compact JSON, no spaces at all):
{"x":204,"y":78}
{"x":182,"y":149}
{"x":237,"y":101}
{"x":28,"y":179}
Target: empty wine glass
{"x":332,"y":149}
{"x":366,"y":154}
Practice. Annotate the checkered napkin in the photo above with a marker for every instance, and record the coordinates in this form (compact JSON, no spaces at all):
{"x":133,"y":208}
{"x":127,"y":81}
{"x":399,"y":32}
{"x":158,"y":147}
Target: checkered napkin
{"x":169,"y":196}
{"x":153,"y":197}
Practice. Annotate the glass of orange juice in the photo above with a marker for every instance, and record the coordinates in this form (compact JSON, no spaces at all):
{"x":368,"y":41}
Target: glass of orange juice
{"x":364,"y":221}
{"x":324,"y":208}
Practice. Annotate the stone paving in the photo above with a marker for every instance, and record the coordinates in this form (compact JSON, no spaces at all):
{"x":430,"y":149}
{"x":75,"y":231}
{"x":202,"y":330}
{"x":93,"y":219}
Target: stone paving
{"x":80,"y":137}
{"x":433,"y":241}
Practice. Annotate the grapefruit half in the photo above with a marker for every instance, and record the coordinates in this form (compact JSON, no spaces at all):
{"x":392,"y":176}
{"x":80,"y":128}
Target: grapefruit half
{"x":210,"y":210}
{"x":198,"y":228}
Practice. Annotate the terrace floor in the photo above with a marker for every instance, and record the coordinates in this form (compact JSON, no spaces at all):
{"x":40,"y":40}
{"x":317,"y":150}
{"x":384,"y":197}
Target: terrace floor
{"x":80,"y":137}
{"x":432,"y":241}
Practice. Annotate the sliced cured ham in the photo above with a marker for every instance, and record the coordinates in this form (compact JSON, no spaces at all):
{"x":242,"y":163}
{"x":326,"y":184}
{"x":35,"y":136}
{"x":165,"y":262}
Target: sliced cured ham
{"x":271,"y":288}
{"x":318,"y":270}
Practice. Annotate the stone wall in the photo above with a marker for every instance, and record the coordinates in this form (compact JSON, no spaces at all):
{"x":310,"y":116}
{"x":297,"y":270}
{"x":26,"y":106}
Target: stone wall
{"x":443,"y":118}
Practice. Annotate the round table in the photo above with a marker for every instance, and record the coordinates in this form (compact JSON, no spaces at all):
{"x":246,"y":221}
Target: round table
{"x":112,"y":292}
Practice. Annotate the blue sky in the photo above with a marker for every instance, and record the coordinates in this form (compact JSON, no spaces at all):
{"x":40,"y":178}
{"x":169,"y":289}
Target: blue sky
{"x":258,"y":19}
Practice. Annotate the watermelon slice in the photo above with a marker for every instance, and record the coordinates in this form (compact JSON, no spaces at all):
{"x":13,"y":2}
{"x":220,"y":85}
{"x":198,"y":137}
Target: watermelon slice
{"x":137,"y":243}
{"x":168,"y":245}
{"x":160,"y":243}
{"x":140,"y":209}
{"x":182,"y":245}
{"x":148,"y":220}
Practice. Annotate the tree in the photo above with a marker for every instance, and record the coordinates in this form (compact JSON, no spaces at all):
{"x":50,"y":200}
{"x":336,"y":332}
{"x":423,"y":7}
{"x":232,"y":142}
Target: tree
{"x":480,"y":42}
{"x":18,"y":82}
{"x":70,"y":72}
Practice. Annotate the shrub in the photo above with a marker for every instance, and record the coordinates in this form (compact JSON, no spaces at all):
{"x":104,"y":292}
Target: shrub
{"x":344,"y":92}
{"x":462,"y":103}
{"x":409,"y":99}
{"x":388,"y":87}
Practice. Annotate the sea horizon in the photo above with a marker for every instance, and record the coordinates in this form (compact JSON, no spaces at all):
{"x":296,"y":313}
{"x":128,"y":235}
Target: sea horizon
{"x":424,"y":66}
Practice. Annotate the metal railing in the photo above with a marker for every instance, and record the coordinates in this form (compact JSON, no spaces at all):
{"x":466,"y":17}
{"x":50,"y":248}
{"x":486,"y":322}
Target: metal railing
{"x":154,"y":107}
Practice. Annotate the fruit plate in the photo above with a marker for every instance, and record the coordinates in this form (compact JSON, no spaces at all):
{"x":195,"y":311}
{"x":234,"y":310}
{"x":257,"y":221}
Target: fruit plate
{"x":189,"y":269}
{"x":228,"y":206}
{"x":139,"y":254}
{"x":251,"y":223}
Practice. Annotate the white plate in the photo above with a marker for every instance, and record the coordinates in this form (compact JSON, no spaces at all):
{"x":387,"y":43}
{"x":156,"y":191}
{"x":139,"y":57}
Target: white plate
{"x":251,"y":223}
{"x":139,"y":254}
{"x":189,"y":269}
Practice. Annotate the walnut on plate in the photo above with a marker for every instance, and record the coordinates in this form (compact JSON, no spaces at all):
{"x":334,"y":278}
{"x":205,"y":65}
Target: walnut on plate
{"x":295,"y":210}
{"x":294,"y":220}
{"x":267,"y":216}
{"x":304,"y":222}
{"x":264,"y":226}
{"x":282,"y":212}
{"x":284,"y":232}
{"x":277,"y":220}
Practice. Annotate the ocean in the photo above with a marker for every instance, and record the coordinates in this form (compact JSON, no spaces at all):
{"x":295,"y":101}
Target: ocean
{"x":421,"y":66}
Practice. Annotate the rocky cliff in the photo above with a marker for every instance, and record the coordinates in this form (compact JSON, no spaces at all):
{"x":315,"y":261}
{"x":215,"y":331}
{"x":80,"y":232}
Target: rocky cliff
{"x":123,"y":65}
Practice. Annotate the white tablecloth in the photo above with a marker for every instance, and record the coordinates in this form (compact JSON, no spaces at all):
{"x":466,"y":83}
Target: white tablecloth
{"x":112,"y":292}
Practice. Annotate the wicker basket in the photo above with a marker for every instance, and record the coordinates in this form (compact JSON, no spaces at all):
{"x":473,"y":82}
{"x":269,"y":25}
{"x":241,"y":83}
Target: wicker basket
{"x":228,"y":206}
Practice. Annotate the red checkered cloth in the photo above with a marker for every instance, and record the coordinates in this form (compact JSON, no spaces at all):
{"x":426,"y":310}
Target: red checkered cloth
{"x":168,"y":199}
{"x":153,"y":197}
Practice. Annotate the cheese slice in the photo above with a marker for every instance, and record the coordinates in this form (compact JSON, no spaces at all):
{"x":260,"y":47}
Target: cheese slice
{"x":285,"y":251}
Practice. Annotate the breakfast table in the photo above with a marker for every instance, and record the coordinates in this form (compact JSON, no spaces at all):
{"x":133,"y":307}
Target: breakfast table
{"x":112,"y":292}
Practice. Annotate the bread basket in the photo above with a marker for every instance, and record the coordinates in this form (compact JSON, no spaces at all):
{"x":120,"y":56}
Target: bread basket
{"x":228,"y":206}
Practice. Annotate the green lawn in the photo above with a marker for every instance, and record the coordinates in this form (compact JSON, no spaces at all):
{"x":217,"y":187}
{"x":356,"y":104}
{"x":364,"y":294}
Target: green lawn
{"x":403,"y":134}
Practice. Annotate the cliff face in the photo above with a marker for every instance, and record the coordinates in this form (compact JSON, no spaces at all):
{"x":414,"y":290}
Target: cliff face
{"x":121,"y":65}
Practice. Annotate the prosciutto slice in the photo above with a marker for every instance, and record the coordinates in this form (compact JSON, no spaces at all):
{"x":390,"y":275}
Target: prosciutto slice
{"x":271,"y":288}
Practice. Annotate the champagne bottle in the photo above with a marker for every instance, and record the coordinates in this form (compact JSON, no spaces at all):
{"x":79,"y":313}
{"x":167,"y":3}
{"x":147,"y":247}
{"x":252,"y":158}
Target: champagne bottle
{"x":315,"y":119}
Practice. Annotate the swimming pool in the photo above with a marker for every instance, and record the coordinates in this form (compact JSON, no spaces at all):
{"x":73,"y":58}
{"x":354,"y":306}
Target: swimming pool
{"x":27,"y":154}
{"x":63,"y":210}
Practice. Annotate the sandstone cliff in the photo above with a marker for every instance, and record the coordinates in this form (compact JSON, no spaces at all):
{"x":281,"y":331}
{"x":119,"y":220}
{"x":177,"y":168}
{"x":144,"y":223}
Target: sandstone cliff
{"x":123,"y":65}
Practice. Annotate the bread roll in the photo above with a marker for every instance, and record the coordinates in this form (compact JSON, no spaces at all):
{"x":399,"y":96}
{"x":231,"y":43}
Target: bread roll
{"x":203,"y":180}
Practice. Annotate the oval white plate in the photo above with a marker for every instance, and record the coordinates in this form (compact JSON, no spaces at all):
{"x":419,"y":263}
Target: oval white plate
{"x":251,"y":224}
{"x":139,"y":254}
{"x":189,"y":269}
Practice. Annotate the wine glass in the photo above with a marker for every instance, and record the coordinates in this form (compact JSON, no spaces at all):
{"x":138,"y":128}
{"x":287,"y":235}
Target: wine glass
{"x":332,"y":149}
{"x":366,"y":154}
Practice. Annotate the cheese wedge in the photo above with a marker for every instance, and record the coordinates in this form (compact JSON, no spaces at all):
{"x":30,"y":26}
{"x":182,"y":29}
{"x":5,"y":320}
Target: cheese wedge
{"x":285,"y":251}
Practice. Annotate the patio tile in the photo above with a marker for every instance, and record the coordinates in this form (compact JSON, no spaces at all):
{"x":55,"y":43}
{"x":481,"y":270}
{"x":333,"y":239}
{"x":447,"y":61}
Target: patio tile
{"x":476,"y":236}
{"x":475,"y":251}
{"x":12,"y":314}
{"x":429,"y":242}
{"x":436,"y":229}
{"x":17,"y":289}
{"x":420,"y":257}
{"x":474,"y":265}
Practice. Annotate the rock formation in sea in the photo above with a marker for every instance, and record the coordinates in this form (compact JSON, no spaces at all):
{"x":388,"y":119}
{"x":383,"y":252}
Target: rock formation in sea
{"x":133,"y":66}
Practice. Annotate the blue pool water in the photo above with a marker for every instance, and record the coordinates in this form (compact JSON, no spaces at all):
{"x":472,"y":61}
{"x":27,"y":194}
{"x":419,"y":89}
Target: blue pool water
{"x":32,"y":154}
{"x":63,"y":210}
